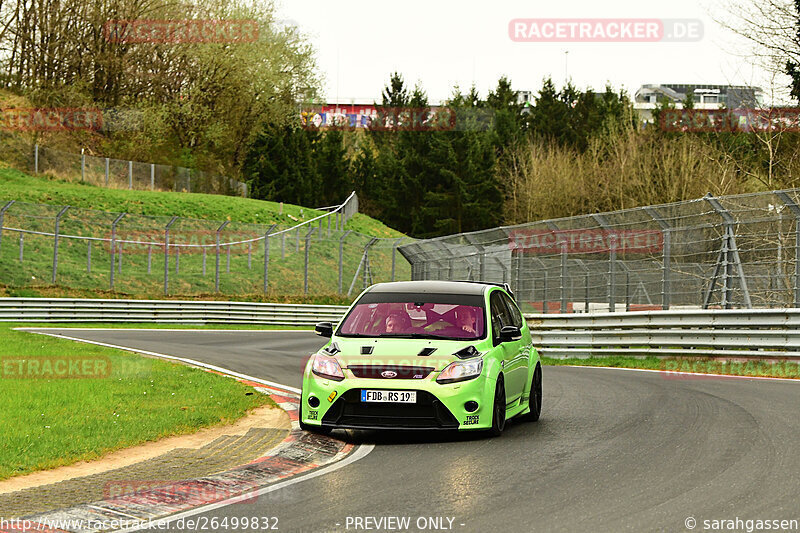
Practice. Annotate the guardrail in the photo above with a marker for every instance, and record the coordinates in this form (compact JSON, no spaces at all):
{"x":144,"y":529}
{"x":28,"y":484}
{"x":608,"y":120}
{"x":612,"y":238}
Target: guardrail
{"x":685,"y":333}
{"x":69,"y":310}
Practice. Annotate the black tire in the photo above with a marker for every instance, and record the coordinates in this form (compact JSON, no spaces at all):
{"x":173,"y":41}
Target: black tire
{"x":498,"y":409}
{"x":535,"y":396}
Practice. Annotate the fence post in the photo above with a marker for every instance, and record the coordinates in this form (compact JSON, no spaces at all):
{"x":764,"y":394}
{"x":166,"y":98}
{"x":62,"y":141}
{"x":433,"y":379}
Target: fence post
{"x":394,"y":254}
{"x":149,"y":257}
{"x":266,"y":257}
{"x":152,"y":176}
{"x":21,"y":245}
{"x":83,"y":165}
{"x":55,"y":243}
{"x":627,"y":291}
{"x":114,"y":248}
{"x":177,"y":260}
{"x":2,"y":217}
{"x":544,"y":293}
{"x":612,"y":263}
{"x":365,"y":263}
{"x":305,"y":268}
{"x":166,"y":254}
{"x":228,"y":260}
{"x":563,"y":276}
{"x":667,"y":252}
{"x":216,"y":277}
{"x":106,"y":172}
{"x":586,"y":296}
{"x":204,"y":261}
{"x":250,"y":255}
{"x":36,"y":159}
{"x":89,"y":257}
{"x":329,"y":226}
{"x":341,"y":258}
{"x":727,"y":259}
{"x":130,"y":175}
{"x":795,"y":209}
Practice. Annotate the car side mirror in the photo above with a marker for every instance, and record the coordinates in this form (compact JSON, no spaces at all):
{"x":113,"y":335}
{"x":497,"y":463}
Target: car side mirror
{"x":510,"y":333}
{"x":324,"y":329}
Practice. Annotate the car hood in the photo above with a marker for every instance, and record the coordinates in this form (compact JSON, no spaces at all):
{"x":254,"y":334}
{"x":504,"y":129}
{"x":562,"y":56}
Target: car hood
{"x":400,"y":352}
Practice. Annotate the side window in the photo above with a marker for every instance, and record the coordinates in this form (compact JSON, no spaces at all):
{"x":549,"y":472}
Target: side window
{"x":513,"y":310}
{"x":500,"y":315}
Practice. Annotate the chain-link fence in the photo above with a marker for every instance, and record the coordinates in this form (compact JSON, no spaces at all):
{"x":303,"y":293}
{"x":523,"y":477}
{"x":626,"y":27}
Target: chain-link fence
{"x":146,"y":255}
{"x":738,"y":251}
{"x":122,"y":174}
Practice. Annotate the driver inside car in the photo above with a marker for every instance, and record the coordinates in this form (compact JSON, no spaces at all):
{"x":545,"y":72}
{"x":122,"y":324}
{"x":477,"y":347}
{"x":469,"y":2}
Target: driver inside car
{"x":466,"y":319}
{"x":398,"y":323}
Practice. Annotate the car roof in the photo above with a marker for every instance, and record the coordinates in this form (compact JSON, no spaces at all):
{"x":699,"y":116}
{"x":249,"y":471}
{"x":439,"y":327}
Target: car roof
{"x":432,"y":286}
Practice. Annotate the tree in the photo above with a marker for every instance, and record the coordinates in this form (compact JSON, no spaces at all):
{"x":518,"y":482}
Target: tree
{"x":773,"y":28}
{"x":333,"y":167}
{"x":281,"y":166}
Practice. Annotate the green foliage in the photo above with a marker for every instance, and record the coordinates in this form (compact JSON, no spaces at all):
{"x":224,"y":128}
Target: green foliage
{"x":58,"y":422}
{"x":184,"y":103}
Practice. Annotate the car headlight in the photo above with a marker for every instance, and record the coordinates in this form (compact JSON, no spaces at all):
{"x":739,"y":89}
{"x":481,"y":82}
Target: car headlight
{"x":461,"y":371}
{"x":327,"y":367}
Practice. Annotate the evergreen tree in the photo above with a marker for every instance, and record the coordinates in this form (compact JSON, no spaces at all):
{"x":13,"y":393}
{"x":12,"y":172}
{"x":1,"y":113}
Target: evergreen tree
{"x":333,"y":167}
{"x":281,"y":166}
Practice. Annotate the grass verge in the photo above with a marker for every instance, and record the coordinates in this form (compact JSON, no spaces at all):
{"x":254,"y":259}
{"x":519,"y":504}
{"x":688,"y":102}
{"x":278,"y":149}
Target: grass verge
{"x":52,"y":291}
{"x":84,"y":266}
{"x":23,"y":187}
{"x":113,"y":399}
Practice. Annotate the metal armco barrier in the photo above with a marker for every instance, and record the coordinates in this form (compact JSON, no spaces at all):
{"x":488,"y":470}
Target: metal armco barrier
{"x":686,"y":333}
{"x":68,"y":310}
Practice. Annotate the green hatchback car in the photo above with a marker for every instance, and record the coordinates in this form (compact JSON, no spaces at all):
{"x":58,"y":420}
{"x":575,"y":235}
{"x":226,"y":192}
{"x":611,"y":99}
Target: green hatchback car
{"x":420,"y":355}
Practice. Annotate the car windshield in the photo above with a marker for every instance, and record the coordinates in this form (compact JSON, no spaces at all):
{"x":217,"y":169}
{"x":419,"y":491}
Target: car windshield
{"x":409,"y":319}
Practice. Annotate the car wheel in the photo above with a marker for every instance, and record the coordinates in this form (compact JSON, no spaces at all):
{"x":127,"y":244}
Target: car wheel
{"x":535,"y":396}
{"x":498,"y":409}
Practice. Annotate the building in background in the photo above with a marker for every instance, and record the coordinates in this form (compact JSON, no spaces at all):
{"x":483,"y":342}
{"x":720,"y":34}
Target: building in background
{"x":356,"y":114}
{"x":704,"y":96}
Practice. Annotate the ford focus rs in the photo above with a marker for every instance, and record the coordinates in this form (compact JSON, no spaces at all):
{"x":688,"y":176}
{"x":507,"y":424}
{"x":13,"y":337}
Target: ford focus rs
{"x":420,"y":355}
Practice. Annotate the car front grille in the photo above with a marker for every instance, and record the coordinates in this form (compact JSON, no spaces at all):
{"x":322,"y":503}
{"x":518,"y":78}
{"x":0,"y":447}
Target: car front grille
{"x":427,"y":413}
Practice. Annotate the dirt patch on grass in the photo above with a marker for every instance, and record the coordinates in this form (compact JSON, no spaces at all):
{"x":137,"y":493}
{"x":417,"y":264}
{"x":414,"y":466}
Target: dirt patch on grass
{"x":262,"y":417}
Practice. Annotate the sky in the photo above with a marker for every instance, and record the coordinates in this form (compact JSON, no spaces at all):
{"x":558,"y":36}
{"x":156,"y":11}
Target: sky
{"x":444,"y":43}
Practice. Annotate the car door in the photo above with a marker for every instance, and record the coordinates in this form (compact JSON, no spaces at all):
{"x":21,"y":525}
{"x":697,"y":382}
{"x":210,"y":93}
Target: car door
{"x":522,"y":347}
{"x":514,"y":383}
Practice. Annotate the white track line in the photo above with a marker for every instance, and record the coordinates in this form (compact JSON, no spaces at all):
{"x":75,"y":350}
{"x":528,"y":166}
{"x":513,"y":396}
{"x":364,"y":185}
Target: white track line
{"x":171,"y":357}
{"x":360,"y":453}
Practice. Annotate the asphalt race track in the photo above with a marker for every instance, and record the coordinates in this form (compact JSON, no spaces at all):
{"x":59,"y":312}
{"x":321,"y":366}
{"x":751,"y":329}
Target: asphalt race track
{"x":614,"y":450}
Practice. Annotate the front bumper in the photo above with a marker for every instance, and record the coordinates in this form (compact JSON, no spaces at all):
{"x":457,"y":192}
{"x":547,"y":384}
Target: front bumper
{"x":438,"y":407}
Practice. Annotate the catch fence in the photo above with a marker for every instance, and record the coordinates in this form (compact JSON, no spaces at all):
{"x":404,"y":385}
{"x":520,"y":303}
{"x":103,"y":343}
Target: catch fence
{"x":133,"y":175}
{"x":740,"y":251}
{"x":43,"y":245}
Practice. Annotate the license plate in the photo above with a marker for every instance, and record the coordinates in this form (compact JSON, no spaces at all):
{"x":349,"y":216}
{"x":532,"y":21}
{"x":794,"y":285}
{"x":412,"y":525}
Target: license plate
{"x":389,"y":396}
